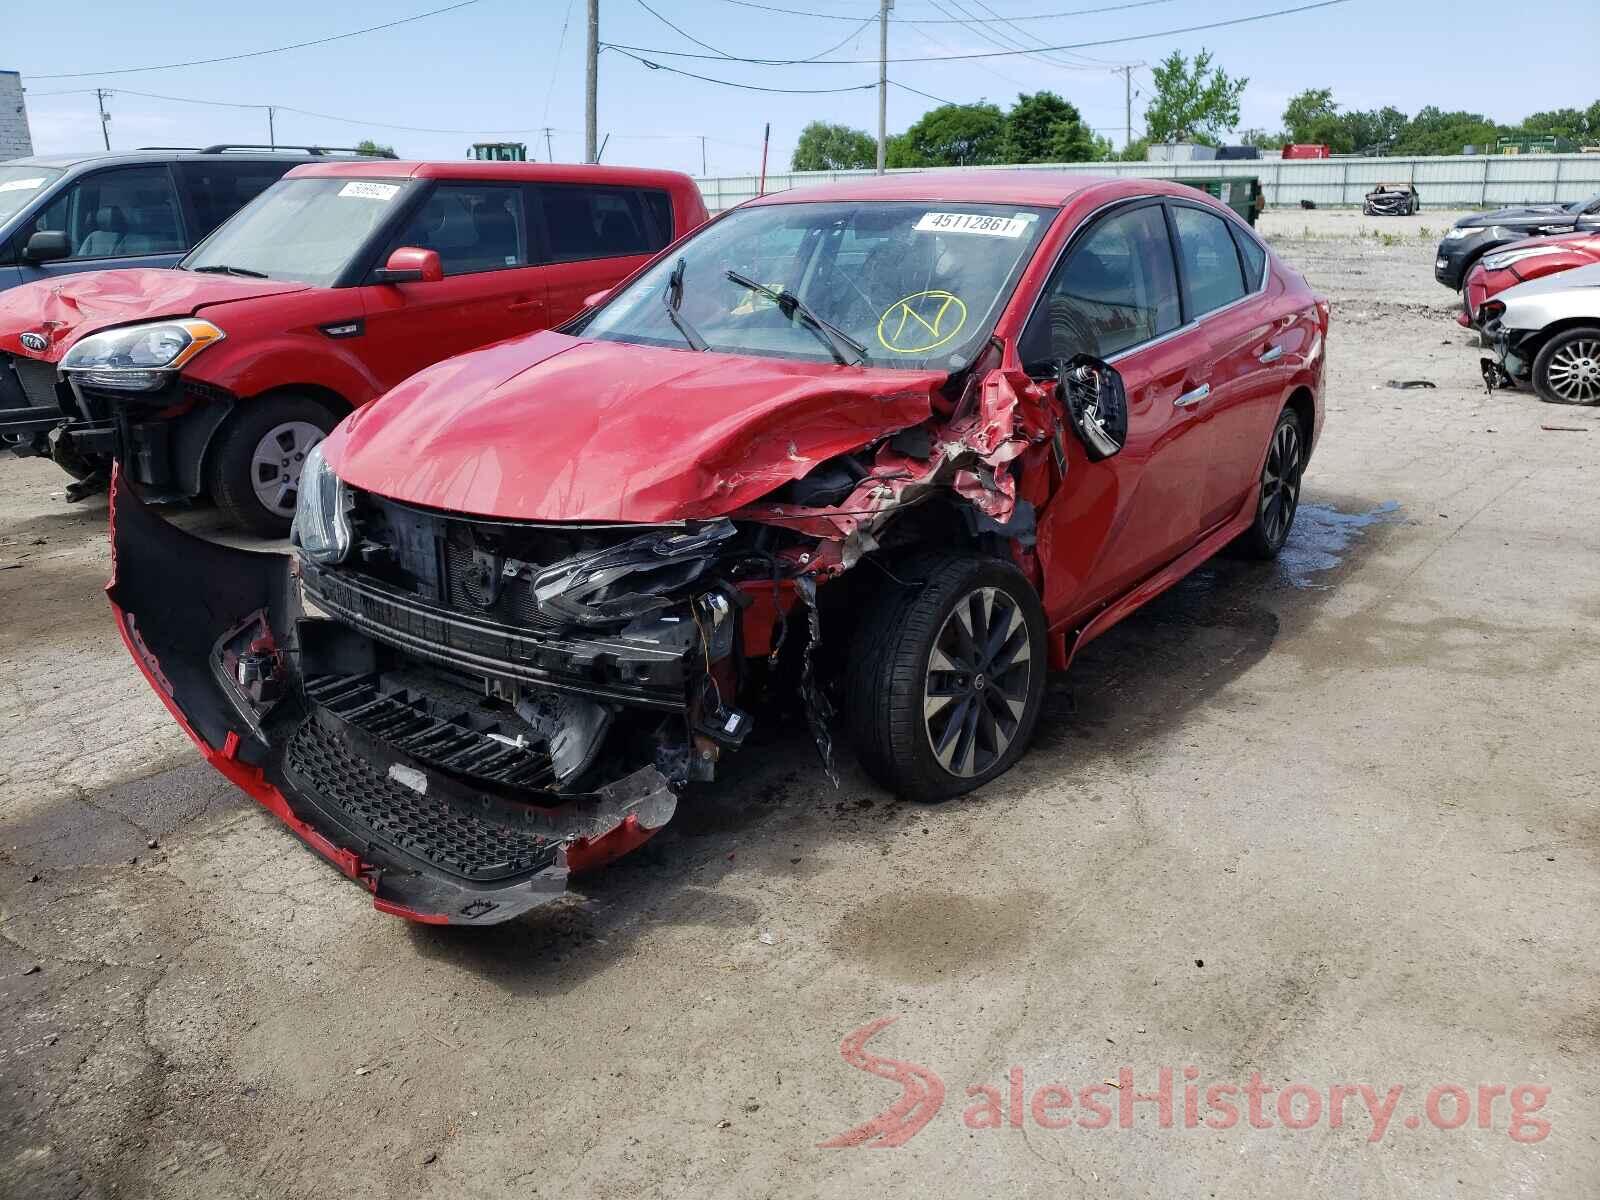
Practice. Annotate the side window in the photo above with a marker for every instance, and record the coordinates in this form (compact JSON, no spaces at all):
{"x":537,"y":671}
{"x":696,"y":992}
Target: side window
{"x":473,"y":226}
{"x":1115,"y":289}
{"x":586,"y":222}
{"x":1211,"y":274}
{"x":1255,"y":257}
{"x":113,"y":214}
{"x":217,"y":190}
{"x":660,"y":206}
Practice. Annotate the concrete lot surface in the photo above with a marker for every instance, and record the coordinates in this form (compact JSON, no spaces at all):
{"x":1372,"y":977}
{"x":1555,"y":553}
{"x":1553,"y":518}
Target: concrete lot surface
{"x":1330,"y":821}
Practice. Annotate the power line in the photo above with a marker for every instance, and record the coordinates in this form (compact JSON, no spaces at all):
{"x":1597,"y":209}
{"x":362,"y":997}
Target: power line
{"x":949,"y":20}
{"x":684,"y":33}
{"x":1116,"y":41}
{"x":555,"y":60}
{"x":200,"y":62}
{"x":748,"y":87}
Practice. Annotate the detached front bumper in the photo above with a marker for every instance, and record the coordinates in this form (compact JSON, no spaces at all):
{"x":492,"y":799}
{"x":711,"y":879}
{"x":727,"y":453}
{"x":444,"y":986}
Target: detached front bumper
{"x":439,"y":820}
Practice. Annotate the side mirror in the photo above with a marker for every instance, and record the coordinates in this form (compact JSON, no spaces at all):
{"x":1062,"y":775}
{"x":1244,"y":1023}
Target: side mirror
{"x":46,"y":245}
{"x":411,"y":264}
{"x":1097,"y":404}
{"x":594,"y":298}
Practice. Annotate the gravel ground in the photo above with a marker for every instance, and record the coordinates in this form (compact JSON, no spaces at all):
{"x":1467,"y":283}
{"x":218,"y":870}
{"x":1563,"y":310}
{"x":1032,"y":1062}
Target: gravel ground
{"x":1331,"y":821}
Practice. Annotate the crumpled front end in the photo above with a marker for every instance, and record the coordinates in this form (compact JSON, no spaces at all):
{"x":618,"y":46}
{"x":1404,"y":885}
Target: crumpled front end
{"x":448,"y":807}
{"x":459,"y":709}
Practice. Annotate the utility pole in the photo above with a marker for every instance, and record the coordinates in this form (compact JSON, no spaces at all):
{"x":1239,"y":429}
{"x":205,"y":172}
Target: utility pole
{"x":1127,"y":99}
{"x":883,"y":79}
{"x":549,"y":151}
{"x":100,"y":95}
{"x":591,"y":121}
{"x":272,"y":131}
{"x":703,"y":171}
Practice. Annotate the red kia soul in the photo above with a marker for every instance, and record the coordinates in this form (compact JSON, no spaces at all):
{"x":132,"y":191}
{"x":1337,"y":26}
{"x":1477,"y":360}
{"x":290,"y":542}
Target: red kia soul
{"x":331,"y":287}
{"x":870,"y":457}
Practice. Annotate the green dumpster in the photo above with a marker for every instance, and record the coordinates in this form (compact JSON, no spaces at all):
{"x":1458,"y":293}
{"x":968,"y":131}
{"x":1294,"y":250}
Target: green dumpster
{"x":1242,"y":193}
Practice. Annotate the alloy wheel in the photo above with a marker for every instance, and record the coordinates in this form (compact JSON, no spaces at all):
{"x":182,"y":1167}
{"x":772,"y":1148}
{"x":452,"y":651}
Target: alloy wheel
{"x":976,"y":687}
{"x":1280,"y":483}
{"x":277,"y":462}
{"x":1573,"y":372}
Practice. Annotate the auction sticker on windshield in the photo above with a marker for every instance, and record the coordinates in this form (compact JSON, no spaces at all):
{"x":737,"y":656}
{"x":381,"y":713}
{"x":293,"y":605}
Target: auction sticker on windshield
{"x":370,"y":191}
{"x":1007,"y":227}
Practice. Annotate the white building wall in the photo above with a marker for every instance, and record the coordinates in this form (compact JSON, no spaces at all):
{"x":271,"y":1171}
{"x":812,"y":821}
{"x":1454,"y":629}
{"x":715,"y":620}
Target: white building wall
{"x":15,"y":140}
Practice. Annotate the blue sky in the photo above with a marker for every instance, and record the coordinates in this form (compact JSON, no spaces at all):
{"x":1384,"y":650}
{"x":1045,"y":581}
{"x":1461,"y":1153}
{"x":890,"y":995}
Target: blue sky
{"x":501,"y":65}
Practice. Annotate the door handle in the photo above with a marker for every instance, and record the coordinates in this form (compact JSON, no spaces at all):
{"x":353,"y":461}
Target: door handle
{"x":524,"y":304}
{"x":1270,"y":355}
{"x":1194,"y":397}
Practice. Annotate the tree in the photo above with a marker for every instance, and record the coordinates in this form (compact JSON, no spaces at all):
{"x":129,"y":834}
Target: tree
{"x":1263,"y":139}
{"x":1192,"y":104}
{"x":1045,"y":128}
{"x":825,"y":147}
{"x":952,"y":135}
{"x":1375,"y":131}
{"x":1310,"y":114}
{"x":1434,"y":131}
{"x":368,"y":146}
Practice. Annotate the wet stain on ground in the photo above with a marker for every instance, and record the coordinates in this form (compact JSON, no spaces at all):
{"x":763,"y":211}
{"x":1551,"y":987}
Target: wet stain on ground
{"x":1321,"y":538}
{"x":924,"y":935}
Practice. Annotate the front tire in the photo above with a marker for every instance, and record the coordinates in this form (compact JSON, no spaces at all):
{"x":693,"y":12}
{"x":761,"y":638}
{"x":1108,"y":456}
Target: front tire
{"x":1279,"y":498}
{"x":254,"y":469}
{"x":1567,"y":369}
{"x":947,"y":676}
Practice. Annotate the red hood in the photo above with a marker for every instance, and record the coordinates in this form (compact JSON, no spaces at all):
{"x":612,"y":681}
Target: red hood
{"x":555,"y":428}
{"x":66,"y":309}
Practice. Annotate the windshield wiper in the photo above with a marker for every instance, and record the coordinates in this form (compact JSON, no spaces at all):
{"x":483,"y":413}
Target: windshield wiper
{"x":674,"y":297}
{"x":225,"y":270}
{"x":836,"y":339}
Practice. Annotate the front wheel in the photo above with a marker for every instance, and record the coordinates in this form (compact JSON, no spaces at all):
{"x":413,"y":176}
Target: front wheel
{"x":947,"y":676}
{"x":1567,"y":369}
{"x":254,"y":470}
{"x":1280,"y":489}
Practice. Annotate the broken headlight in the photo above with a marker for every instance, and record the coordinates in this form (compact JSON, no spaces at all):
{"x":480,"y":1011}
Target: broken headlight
{"x":138,"y":358}
{"x":321,"y":512}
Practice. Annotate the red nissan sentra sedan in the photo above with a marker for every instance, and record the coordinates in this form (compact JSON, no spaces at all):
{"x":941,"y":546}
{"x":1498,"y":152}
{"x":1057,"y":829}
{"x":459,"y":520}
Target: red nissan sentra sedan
{"x":887,"y":450}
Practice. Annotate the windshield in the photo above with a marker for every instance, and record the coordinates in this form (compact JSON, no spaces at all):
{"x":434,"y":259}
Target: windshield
{"x":919,"y":285}
{"x":19,"y":185}
{"x":305,"y":230}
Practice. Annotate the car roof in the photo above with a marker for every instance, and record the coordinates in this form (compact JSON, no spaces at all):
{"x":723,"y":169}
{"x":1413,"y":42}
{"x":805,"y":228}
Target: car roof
{"x":504,"y":172}
{"x":1041,"y":188}
{"x":99,"y":158}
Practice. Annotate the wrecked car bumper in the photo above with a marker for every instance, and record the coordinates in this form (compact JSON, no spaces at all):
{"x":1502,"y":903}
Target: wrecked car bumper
{"x":420,"y":799}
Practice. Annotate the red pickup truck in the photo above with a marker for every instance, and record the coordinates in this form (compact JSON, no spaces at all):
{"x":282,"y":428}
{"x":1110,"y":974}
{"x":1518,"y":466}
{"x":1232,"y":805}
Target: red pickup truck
{"x":335,"y":284}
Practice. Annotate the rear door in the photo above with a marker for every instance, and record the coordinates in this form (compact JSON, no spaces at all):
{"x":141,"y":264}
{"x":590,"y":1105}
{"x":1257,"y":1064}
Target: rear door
{"x":596,"y":236}
{"x":120,"y":217}
{"x":1115,"y":295}
{"x":1223,"y":278}
{"x":493,"y":286}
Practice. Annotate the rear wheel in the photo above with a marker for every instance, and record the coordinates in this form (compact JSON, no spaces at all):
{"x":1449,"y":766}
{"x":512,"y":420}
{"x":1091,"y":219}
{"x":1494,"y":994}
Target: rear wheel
{"x":947,"y":676}
{"x":254,"y":473}
{"x":1567,"y":369}
{"x":1280,"y":489}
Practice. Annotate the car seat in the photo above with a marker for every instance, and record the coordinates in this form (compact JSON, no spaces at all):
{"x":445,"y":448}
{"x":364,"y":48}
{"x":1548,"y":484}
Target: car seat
{"x":110,"y":226}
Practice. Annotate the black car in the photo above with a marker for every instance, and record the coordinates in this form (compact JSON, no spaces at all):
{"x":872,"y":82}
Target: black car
{"x":1472,"y":237}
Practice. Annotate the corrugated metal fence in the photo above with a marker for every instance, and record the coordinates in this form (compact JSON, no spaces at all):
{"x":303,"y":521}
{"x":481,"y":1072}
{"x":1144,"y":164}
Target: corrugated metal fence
{"x":1459,"y":181}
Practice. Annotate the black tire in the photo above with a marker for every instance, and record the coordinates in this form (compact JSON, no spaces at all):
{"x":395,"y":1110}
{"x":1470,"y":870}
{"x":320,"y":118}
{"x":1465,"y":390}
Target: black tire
{"x":1567,"y":368}
{"x":234,"y":476}
{"x":1280,"y":489}
{"x":892,"y":669}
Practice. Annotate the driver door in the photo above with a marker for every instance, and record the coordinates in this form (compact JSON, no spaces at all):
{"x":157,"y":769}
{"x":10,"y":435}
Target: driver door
{"x":1115,"y":296}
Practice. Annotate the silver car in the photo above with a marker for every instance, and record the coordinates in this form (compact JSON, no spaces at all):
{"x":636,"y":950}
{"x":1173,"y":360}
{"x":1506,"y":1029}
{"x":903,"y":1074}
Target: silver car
{"x":1547,"y":332}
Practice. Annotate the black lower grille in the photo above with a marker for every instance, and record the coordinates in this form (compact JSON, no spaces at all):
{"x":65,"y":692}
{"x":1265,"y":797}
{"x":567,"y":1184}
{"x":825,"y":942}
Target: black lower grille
{"x":447,"y":737}
{"x":451,"y":838}
{"x":38,"y":380}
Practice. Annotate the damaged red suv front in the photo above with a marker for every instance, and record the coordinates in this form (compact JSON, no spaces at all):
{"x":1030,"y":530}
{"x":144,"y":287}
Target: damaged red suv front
{"x":539,"y":589}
